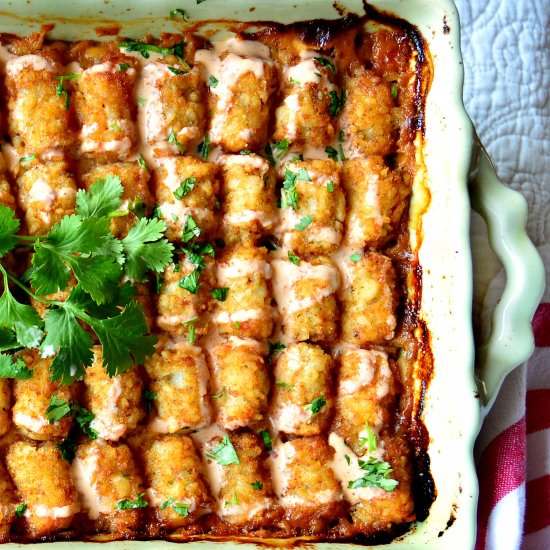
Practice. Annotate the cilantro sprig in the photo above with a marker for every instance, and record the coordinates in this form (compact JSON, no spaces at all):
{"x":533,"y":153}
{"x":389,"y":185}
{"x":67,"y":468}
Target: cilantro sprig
{"x":81,"y":246}
{"x":289,"y":193}
{"x":376,"y":475}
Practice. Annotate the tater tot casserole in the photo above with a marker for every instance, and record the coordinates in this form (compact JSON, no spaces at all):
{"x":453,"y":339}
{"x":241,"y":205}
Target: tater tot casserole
{"x":248,"y":364}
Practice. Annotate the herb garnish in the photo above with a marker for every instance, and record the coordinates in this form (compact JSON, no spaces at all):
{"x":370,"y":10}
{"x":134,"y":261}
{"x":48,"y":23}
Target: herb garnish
{"x":316,"y":405}
{"x":224,"y":453}
{"x":204,"y":147}
{"x":213,"y":81}
{"x":293,"y":258}
{"x":14,"y":369}
{"x":149,"y":396}
{"x":126,"y":504}
{"x":174,"y":140}
{"x":185,"y":187}
{"x":266,"y":436}
{"x":324,"y":62}
{"x":337,"y":102}
{"x":220,"y":294}
{"x":354,"y":258}
{"x":376,"y":475}
{"x":303,"y":223}
{"x":289,"y":194}
{"x":61,"y":91}
{"x":178,"y":13}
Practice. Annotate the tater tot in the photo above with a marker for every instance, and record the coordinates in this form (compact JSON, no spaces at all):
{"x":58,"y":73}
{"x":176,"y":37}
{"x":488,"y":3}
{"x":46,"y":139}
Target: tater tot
{"x":47,"y":193}
{"x":302,"y":398}
{"x":105,"y":108}
{"x":179,"y":378}
{"x":5,"y":404}
{"x":245,"y":494}
{"x":366,"y":397}
{"x":7,"y":197}
{"x":249,"y":203}
{"x":136,"y":197}
{"x":7,"y":504}
{"x":31,"y":85}
{"x":246,"y":310}
{"x":43,"y":481}
{"x":109,"y":484}
{"x":304,"y":116}
{"x":115,"y":402}
{"x":241,"y":383}
{"x":177,"y":488}
{"x":186,"y":186}
{"x":305,"y":483}
{"x":313,"y":223}
{"x":377,"y":198}
{"x":32,"y":398}
{"x":174,"y":108}
{"x":384,"y":499}
{"x":178,"y":308}
{"x":366,"y":118}
{"x":369,"y":300}
{"x":306,"y":296}
{"x":239,"y":95}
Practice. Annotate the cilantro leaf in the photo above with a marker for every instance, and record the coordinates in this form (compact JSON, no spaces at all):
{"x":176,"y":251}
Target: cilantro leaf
{"x":376,"y":475}
{"x":266,"y":436}
{"x":293,"y":258}
{"x":20,"y":510}
{"x":324,"y":62}
{"x":191,"y":282}
{"x":303,"y":223}
{"x":186,"y":186}
{"x":67,"y":447}
{"x":181,"y":508}
{"x":23,"y":318}
{"x":316,"y":405}
{"x":369,"y":440}
{"x":289,"y":194}
{"x":149,"y":396}
{"x":331,"y":152}
{"x":172,"y":138}
{"x":9,"y":225}
{"x":14,"y":369}
{"x":330,"y":186}
{"x":57,"y":409}
{"x":8,"y":340}
{"x":224,"y":453}
{"x":280,"y":148}
{"x":69,"y":342}
{"x":275,"y":348}
{"x":213,"y":81}
{"x":178,"y":13}
{"x":98,"y":275}
{"x":146,"y":249}
{"x":354,"y":258}
{"x":126,"y":504}
{"x":102,"y":198}
{"x":83,"y":417}
{"x":284,"y":385}
{"x":190,"y":229}
{"x":258,"y":485}
{"x":124,"y":338}
{"x":204,"y":147}
{"x":220,"y":294}
{"x":167,"y":503}
{"x":144,"y":49}
{"x":337,"y":102}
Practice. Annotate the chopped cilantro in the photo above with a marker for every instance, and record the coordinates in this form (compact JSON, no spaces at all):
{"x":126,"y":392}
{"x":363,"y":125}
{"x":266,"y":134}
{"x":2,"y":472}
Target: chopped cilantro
{"x":57,"y":409}
{"x":316,"y":405}
{"x":174,"y":140}
{"x":149,"y":396}
{"x":394,"y":91}
{"x":331,"y":152}
{"x":213,"y":81}
{"x":284,"y":385}
{"x":348,"y":460}
{"x":126,"y":504}
{"x":324,"y":62}
{"x":191,"y":335}
{"x":337,"y":102}
{"x":293,"y":258}
{"x":369,"y":440}
{"x":204,"y":147}
{"x":61,"y":91}
{"x":20,"y":510}
{"x":181,"y":508}
{"x":376,"y":475}
{"x":191,"y":282}
{"x":275,"y":348}
{"x":224,"y":453}
{"x":176,"y":71}
{"x":289,"y":194}
{"x":220,"y":294}
{"x":190,"y":230}
{"x":266,"y":436}
{"x":122,"y":67}
{"x":294,"y":81}
{"x":142,"y":162}
{"x":258,"y":485}
{"x":145,"y":49}
{"x":28,"y":158}
{"x":354,"y":258}
{"x":280,"y":147}
{"x":330,"y":186}
{"x":303,"y":223}
{"x":185,"y":187}
{"x":237,"y":325}
{"x":138,"y":208}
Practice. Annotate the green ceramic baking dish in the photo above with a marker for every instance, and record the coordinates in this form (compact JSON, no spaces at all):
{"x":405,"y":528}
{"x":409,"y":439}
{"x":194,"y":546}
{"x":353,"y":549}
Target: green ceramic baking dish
{"x":456,"y":399}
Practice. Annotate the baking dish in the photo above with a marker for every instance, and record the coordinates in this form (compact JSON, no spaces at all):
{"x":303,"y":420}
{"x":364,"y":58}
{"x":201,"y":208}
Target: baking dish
{"x":452,"y":411}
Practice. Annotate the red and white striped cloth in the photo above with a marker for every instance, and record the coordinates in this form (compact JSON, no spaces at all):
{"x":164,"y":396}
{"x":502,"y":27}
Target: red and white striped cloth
{"x":513,"y":450}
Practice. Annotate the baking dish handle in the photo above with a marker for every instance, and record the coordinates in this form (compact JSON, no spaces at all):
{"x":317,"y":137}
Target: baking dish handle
{"x":511,"y":339}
